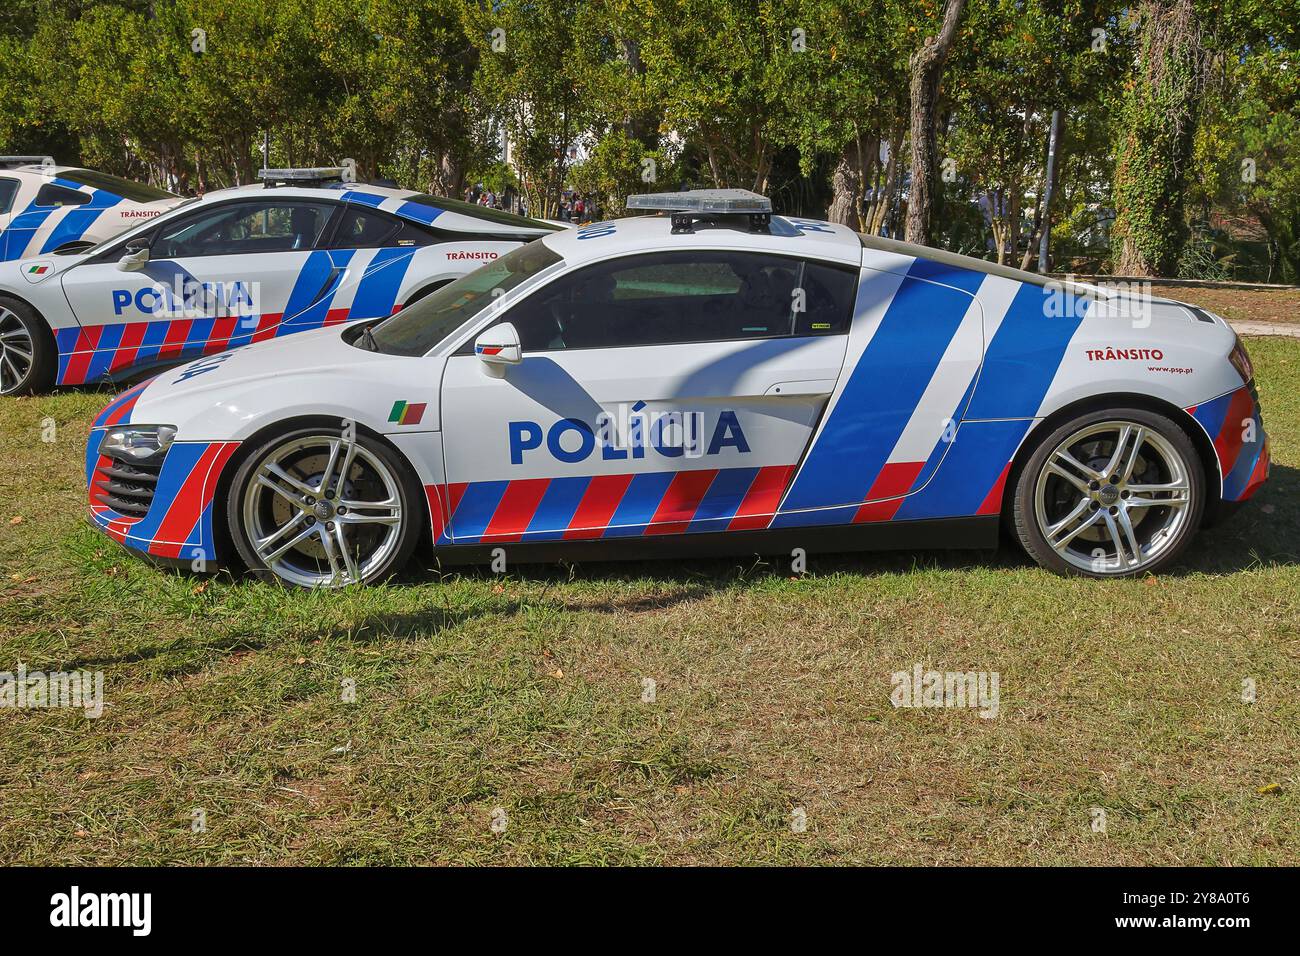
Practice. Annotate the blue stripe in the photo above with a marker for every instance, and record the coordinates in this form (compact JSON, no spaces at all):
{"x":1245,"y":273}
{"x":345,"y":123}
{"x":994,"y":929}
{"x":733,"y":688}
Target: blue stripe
{"x":882,"y":392}
{"x":819,"y":516}
{"x":377,"y":293}
{"x":109,"y":339}
{"x":969,"y":471}
{"x":306,"y":307}
{"x":14,"y":240}
{"x":475,"y":510}
{"x":967,"y":280}
{"x":639,"y":503}
{"x":1212,"y":413}
{"x":418,"y":212}
{"x":365,"y":199}
{"x":75,"y":223}
{"x":180,"y":461}
{"x":199,"y":335}
{"x":1025,"y":353}
{"x":722,"y":500}
{"x":556,"y":509}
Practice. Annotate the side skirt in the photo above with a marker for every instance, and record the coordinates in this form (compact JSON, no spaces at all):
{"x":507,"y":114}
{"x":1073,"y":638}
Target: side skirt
{"x":923,"y":535}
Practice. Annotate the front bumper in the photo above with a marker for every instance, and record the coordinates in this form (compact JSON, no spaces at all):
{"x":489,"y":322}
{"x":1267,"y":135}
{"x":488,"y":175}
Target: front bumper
{"x":163,"y":509}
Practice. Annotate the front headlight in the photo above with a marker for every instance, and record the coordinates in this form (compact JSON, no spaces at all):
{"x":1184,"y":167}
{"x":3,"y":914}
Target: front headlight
{"x":137,"y":441}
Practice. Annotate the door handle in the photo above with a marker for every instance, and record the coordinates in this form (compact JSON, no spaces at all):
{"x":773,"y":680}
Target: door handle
{"x":816,"y":386}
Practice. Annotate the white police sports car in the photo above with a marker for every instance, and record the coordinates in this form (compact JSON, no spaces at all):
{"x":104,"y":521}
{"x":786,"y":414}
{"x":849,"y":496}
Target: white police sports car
{"x":706,"y":383}
{"x":300,"y":251}
{"x":45,"y":208}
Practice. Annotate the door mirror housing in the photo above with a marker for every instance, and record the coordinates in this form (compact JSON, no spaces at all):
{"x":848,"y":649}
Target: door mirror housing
{"x":498,"y":346}
{"x":135,"y":257}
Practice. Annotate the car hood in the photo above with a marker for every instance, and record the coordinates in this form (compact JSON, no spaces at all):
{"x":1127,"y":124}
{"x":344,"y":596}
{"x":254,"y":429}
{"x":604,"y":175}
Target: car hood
{"x":230,"y":395}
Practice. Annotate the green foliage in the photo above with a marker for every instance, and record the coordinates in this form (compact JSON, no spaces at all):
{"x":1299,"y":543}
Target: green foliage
{"x":804,"y":99}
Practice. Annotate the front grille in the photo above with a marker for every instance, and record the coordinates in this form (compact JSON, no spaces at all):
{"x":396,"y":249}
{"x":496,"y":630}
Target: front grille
{"x":126,"y":486}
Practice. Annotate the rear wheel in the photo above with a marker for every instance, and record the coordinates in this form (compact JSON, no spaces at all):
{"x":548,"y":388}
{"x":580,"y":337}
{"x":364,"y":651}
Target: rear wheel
{"x":1113,"y":493}
{"x":321,"y":507}
{"x":26,"y":350}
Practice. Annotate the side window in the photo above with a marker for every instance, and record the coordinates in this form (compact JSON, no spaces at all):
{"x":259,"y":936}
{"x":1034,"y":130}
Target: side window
{"x":54,"y":195}
{"x":361,"y":228}
{"x":8,"y":189}
{"x":677,"y":297}
{"x":244,"y":228}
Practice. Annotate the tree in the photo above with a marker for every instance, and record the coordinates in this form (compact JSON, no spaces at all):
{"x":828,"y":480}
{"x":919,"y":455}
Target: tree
{"x":927,"y":68}
{"x":1158,"y":122}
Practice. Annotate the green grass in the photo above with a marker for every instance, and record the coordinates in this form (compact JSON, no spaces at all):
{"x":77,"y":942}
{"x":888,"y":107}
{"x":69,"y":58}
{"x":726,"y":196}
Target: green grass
{"x":475,"y":692}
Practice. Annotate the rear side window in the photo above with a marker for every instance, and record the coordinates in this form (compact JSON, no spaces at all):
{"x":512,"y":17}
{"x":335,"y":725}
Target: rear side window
{"x":668,"y":298}
{"x":53,"y":195}
{"x":361,"y":228}
{"x":8,"y":189}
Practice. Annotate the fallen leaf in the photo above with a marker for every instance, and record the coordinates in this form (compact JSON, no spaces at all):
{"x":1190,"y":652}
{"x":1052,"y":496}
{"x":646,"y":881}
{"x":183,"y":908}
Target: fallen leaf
{"x":16,"y":519}
{"x":558,"y":674}
{"x":497,"y":588}
{"x":1271,"y":788}
{"x":301,"y":660}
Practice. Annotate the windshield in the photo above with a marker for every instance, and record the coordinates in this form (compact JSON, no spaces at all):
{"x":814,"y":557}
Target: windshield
{"x":136,"y":192}
{"x":417,"y":329}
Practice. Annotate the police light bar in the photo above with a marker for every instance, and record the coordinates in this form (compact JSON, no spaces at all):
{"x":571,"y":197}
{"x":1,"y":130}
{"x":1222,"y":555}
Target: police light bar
{"x":311,"y":176}
{"x":9,"y":162}
{"x":718,"y":206}
{"x":725,"y":202}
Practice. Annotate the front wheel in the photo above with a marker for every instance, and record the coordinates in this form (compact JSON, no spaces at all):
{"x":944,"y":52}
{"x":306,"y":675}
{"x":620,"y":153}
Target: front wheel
{"x":1111,"y":494}
{"x":322,"y":507}
{"x":26,"y":350}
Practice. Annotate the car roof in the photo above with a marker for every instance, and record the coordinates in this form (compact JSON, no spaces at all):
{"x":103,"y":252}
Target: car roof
{"x":449,"y":214}
{"x":790,"y":236}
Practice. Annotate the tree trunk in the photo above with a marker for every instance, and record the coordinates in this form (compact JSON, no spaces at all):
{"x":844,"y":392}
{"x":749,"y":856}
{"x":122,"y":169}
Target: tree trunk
{"x":927,"y":69}
{"x":1159,"y":126}
{"x":848,"y":181}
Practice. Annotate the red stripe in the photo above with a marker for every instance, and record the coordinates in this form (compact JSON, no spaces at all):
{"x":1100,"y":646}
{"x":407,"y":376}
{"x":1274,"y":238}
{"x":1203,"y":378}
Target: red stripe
{"x":266,"y":326}
{"x":681,"y":501}
{"x":79,"y":361}
{"x":195,"y":495}
{"x":894,"y":480}
{"x":1231,"y":433}
{"x":438,"y":511}
{"x":178,"y":331}
{"x":132,"y":336}
{"x":516,"y":509}
{"x":122,"y":410}
{"x":222,"y":329}
{"x":762,"y":499}
{"x":455,"y":491}
{"x":599,"y":502}
{"x":993,"y":500}
{"x":335,"y":316}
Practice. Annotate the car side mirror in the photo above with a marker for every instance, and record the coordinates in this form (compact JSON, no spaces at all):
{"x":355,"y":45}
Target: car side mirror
{"x":135,"y":258}
{"x":498,"y":346}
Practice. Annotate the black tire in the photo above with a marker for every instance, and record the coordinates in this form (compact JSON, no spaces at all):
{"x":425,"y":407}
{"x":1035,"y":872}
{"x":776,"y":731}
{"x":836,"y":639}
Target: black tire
{"x":252,"y":509}
{"x":1146,"y":529}
{"x":22,"y":333}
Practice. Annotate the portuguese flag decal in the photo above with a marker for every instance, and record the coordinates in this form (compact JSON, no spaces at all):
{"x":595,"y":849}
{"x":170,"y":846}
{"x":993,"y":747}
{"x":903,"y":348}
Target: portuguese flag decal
{"x":39,"y":269}
{"x":407,"y":413}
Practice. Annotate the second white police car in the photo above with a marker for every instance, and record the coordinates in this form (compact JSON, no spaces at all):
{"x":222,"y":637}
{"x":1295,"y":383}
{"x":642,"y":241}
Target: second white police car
{"x":717,"y":381}
{"x":300,"y":251}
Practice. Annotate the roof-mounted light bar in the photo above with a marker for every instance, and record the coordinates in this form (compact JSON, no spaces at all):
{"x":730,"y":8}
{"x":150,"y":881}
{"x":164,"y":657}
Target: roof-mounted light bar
{"x":712,"y":205}
{"x":310,"y":176}
{"x":9,"y":162}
